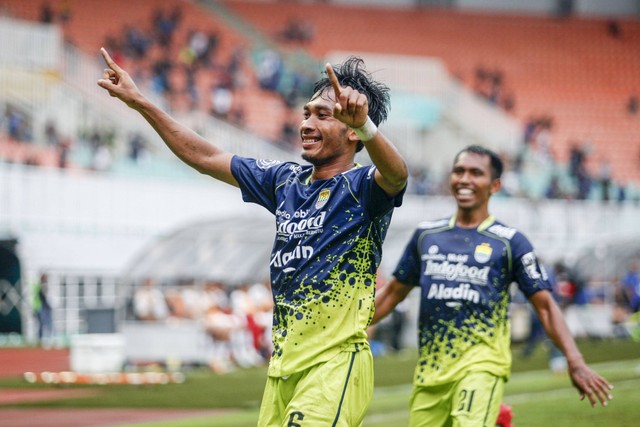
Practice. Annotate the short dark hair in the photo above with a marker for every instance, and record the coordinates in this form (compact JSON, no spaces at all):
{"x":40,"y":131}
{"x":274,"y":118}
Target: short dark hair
{"x":496,"y":162}
{"x":352,"y":73}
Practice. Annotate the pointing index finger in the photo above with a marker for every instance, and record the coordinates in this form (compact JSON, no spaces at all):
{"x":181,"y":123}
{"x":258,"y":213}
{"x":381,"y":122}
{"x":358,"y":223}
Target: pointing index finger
{"x":110,"y":62}
{"x":334,"y":80}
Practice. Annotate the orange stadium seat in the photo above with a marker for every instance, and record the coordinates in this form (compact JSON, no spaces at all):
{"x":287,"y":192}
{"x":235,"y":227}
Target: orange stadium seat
{"x":92,"y":22}
{"x":570,"y":69}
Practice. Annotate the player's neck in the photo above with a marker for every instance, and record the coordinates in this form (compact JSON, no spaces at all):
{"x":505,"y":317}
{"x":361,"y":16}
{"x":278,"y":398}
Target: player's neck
{"x":471,"y":218}
{"x":322,"y":172}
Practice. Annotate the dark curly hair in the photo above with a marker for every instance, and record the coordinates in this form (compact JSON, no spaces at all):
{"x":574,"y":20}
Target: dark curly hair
{"x":352,"y":73}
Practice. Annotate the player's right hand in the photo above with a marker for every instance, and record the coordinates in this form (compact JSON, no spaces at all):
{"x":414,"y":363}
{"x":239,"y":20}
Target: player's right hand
{"x":118,"y":82}
{"x":351,"y":106}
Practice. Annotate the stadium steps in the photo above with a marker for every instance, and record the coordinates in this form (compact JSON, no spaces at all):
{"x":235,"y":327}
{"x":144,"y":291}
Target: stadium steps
{"x":12,"y":151}
{"x":547,"y":62}
{"x":92,"y":23}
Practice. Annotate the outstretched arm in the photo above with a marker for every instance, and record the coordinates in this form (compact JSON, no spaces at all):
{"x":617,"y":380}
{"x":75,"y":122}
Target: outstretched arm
{"x":186,"y":144}
{"x":352,"y":108}
{"x":587,"y":382}
{"x":388,"y":297}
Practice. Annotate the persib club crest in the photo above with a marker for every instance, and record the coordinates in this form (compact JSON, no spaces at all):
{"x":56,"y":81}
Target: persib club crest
{"x":323,"y":198}
{"x":483,"y":252}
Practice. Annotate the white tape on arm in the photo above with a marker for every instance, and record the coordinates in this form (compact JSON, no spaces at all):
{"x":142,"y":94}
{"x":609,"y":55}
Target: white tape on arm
{"x":367,"y":131}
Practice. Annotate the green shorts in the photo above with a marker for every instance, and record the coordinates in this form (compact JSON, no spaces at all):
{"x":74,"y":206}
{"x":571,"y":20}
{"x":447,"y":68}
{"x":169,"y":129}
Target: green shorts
{"x":334,"y":393}
{"x":473,"y":401}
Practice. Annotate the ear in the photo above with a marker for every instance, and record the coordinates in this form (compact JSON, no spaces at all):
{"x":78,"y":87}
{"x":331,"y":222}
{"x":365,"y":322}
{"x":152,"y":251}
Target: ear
{"x":352,"y":135}
{"x":496,"y":185}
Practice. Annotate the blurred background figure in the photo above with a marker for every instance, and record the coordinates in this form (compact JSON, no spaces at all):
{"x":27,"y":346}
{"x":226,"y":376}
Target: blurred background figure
{"x":42,"y":310}
{"x":220,"y":323}
{"x":149,"y":303}
{"x":631,"y":282}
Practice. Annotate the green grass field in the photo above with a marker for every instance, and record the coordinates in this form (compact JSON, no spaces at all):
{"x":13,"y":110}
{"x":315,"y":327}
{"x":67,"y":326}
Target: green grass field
{"x":537,"y":397}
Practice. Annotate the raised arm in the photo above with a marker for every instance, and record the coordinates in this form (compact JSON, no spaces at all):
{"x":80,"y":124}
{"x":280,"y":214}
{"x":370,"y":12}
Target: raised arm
{"x":190,"y":147}
{"x":587,"y":382}
{"x":352,"y":108}
{"x":388,"y":297}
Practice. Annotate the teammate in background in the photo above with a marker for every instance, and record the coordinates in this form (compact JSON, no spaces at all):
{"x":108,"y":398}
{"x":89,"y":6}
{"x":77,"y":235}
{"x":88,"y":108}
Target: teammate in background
{"x":464,"y":266}
{"x":331,"y":219}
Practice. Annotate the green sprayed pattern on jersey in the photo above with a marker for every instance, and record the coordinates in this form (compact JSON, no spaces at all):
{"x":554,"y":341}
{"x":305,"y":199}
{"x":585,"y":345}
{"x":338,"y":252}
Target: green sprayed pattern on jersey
{"x":478,"y":339}
{"x":326,"y":319}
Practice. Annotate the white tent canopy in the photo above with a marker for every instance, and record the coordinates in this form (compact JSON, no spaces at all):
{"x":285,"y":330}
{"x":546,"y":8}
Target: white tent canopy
{"x":233,"y":250}
{"x":236,"y":248}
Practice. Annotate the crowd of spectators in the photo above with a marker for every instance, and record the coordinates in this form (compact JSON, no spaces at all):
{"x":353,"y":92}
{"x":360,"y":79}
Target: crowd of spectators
{"x":572,"y":291}
{"x":17,"y":141}
{"x":584,"y":176}
{"x":237,"y":319}
{"x":573,"y":181}
{"x":187,"y":70}
{"x":60,"y":15}
{"x":297,"y":30}
{"x":172,"y":61}
{"x":192,"y":73}
{"x":490,"y":85}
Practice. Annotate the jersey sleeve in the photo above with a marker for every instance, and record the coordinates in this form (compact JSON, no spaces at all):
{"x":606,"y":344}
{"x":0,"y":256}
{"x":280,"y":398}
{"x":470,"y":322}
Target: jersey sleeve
{"x":259,"y":179}
{"x":408,"y":268}
{"x":380,"y":204}
{"x":528,"y":272}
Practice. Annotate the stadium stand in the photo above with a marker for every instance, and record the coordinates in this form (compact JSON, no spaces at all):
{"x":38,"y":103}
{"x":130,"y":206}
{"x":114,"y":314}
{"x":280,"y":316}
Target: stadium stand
{"x":14,"y":151}
{"x":87,"y":29}
{"x":576,"y":71}
{"x":573,"y":70}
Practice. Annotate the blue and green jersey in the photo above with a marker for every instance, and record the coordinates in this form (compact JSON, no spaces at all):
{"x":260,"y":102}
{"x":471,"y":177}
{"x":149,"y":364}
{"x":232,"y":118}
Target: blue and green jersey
{"x":464,"y":276}
{"x":327,"y":249}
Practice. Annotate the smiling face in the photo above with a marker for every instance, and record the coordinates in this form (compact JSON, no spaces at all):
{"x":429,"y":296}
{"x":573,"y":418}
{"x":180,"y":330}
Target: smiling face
{"x":325,"y":139}
{"x":472,"y":182}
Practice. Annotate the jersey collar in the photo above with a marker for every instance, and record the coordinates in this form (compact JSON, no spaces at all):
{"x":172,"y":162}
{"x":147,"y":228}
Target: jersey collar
{"x":483,"y":225}
{"x":308,"y":180}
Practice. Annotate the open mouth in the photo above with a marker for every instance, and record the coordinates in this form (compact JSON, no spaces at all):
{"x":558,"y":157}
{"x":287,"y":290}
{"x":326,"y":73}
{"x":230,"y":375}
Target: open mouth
{"x":308,"y":142}
{"x":464,"y":193}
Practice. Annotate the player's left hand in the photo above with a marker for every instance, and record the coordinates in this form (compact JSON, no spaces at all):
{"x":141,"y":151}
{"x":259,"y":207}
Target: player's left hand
{"x":590,"y":385}
{"x":351,"y":106}
{"x":118,"y":82}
